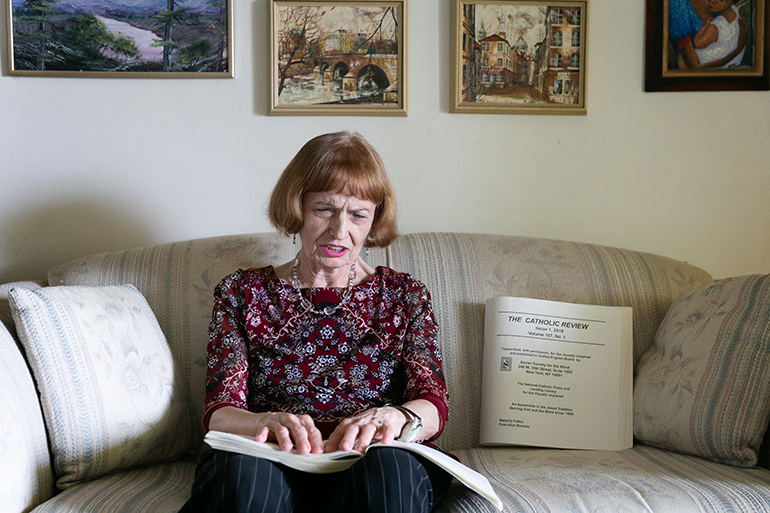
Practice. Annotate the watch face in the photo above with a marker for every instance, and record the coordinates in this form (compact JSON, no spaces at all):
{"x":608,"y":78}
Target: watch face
{"x":411,"y":430}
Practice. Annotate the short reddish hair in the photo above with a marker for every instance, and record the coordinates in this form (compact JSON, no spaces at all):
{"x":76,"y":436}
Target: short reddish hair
{"x":339,"y":161}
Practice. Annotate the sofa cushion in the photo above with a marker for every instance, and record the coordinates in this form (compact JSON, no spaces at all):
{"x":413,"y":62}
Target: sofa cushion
{"x":106,"y":377}
{"x":161,"y":488}
{"x":5,"y":308}
{"x":643,"y":479}
{"x":26,"y":478}
{"x":703,"y":388}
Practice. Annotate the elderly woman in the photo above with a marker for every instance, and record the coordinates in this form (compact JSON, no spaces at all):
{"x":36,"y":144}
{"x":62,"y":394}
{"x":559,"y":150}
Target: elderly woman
{"x":325,"y":352}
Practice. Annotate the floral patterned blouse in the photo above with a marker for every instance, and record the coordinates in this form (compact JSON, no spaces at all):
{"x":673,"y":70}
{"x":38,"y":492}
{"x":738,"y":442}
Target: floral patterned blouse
{"x":267,"y":353}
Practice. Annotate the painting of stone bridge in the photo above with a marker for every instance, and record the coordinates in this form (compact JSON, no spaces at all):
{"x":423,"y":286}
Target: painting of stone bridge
{"x":338,"y":55}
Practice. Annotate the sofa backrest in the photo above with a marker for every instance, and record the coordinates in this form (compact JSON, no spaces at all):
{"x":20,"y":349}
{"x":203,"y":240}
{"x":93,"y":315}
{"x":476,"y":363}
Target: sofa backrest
{"x":461,"y":270}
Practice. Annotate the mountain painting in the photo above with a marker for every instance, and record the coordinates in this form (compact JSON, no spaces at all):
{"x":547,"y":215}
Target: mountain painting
{"x":117,"y":37}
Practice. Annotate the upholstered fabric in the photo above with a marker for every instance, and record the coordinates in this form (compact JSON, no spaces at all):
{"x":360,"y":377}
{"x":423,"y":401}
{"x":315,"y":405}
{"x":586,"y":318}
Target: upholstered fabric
{"x":763,"y":459}
{"x":704,"y":386}
{"x":5,"y":308}
{"x":106,"y":378}
{"x":162,"y":488}
{"x":26,"y":478}
{"x":461,"y":271}
{"x":643,"y":479}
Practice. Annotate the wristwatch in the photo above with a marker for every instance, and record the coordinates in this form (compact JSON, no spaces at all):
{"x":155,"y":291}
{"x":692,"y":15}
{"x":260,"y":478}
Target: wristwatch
{"x":413,"y":426}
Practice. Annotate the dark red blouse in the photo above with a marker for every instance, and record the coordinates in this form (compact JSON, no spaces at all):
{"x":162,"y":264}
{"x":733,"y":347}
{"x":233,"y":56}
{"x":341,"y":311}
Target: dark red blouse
{"x":266,"y":353}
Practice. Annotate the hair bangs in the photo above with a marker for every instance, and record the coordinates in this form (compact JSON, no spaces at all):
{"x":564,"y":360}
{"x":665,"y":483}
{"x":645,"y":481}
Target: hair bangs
{"x":351,"y":170}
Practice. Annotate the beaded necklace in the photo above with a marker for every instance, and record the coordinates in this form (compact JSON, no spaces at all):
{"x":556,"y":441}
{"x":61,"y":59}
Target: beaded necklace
{"x":307,"y":305}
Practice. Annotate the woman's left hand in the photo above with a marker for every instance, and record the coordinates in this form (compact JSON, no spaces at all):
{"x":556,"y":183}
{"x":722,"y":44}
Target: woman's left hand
{"x":381,"y":424}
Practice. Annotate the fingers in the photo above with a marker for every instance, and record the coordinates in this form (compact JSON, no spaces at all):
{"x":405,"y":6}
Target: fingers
{"x":388,"y":434}
{"x":357,"y":437}
{"x":343,"y":437}
{"x":283,"y":437}
{"x":290,"y":431}
{"x":333,"y":443}
{"x":358,"y":432}
{"x":262,"y":435}
{"x":355,"y":433}
{"x":315,"y":439}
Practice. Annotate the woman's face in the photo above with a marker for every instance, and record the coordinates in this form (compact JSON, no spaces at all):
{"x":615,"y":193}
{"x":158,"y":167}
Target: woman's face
{"x":718,"y":5}
{"x":334,"y":229}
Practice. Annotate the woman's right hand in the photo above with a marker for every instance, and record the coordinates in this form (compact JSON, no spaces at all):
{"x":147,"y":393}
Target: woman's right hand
{"x":289,"y":430}
{"x":286,"y":429}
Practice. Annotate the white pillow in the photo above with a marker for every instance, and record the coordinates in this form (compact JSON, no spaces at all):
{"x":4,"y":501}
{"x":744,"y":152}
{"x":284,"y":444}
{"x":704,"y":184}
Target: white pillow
{"x":5,"y":309}
{"x":703,"y":388}
{"x":111,"y":399}
{"x":26,"y":478}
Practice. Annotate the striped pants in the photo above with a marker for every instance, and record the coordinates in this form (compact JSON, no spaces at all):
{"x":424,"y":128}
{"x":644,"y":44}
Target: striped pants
{"x":385,"y":480}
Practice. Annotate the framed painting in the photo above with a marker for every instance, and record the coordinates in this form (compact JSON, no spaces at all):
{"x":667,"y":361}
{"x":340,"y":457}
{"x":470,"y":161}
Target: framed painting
{"x":120,"y":38}
{"x":519,"y":56}
{"x":338,"y":58}
{"x":707,"y":45}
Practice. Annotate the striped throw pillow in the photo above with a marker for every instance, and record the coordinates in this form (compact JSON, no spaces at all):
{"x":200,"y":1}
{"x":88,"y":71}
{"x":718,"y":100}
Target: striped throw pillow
{"x":110,"y":396}
{"x":703,"y":388}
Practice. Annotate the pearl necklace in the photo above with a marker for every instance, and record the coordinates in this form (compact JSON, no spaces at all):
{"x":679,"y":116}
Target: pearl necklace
{"x":307,"y":305}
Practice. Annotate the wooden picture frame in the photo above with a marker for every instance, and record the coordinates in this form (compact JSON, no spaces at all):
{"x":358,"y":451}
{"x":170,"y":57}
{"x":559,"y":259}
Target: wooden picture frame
{"x":673,"y":61}
{"x":106,"y":39}
{"x":338,"y":58}
{"x":519,"y":56}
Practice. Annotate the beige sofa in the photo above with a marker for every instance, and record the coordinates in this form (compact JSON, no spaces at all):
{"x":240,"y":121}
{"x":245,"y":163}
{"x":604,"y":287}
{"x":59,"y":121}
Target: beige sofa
{"x":701,"y":390}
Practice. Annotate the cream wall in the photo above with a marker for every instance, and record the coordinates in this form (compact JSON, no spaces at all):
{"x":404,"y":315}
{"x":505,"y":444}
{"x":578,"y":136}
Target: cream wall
{"x":99,"y":165}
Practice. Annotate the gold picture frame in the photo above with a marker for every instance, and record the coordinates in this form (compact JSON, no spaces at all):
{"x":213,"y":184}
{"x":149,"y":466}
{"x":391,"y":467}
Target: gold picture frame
{"x":103,"y":39}
{"x":338,"y":58}
{"x":519,"y":57}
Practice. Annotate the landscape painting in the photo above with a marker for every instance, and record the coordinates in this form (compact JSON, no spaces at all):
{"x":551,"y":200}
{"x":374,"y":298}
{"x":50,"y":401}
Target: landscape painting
{"x":519,"y":57}
{"x":120,"y":38}
{"x":338,"y":58}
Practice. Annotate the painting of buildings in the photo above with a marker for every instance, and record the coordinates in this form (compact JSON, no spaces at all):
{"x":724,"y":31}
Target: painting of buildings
{"x":521,"y":53}
{"x":337,"y":54}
